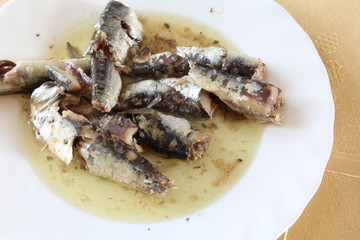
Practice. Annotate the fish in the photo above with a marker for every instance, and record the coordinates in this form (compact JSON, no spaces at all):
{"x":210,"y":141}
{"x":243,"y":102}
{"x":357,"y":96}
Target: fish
{"x":55,"y":126}
{"x":117,"y":30}
{"x":106,"y":155}
{"x":256,"y":100}
{"x":74,"y":79}
{"x":106,"y":84}
{"x":176,"y":64}
{"x":102,"y":152}
{"x":25,"y":76}
{"x":118,"y":125}
{"x":171,"y":136}
{"x":175,"y":96}
{"x":235,"y":63}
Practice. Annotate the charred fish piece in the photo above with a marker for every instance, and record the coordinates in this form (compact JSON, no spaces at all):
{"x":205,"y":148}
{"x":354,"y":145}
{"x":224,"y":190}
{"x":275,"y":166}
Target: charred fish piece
{"x":171,"y":136}
{"x":175,"y":96}
{"x":106,"y":155}
{"x":58,"y":128}
{"x":168,"y":64}
{"x":25,"y":76}
{"x":117,"y":30}
{"x":256,"y":100}
{"x":72,"y":78}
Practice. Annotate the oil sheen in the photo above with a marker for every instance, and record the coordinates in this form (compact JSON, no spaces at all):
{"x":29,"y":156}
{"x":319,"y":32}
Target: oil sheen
{"x":199,"y":184}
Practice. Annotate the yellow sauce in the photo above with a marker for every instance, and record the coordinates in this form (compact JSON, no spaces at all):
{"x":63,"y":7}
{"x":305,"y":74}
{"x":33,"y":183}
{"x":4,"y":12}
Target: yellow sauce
{"x":234,"y":143}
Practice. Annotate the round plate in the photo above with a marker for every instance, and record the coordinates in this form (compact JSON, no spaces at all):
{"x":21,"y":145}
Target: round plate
{"x":288,"y":166}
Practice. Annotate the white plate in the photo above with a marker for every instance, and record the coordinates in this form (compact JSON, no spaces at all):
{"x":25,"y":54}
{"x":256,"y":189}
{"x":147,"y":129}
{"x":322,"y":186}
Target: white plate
{"x":287,"y":169}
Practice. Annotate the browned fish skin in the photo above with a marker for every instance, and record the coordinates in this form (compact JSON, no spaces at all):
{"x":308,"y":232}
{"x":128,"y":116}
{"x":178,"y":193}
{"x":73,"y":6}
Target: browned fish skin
{"x":171,"y":136}
{"x":256,"y":100}
{"x":168,"y":64}
{"x":28,"y":75}
{"x":106,"y":155}
{"x":153,"y":94}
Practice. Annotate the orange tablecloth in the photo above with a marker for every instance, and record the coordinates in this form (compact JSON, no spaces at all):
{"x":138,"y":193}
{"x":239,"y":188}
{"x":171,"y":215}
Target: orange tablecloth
{"x":334,"y":27}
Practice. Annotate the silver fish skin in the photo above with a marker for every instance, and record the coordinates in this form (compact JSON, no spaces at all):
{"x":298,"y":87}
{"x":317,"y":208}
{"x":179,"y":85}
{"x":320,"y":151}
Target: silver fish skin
{"x":106,"y":155}
{"x":25,"y":76}
{"x":171,"y":96}
{"x":256,"y":100}
{"x":56,"y":127}
{"x":106,"y":84}
{"x":168,"y":64}
{"x":74,"y":79}
{"x":171,"y":136}
{"x":231,"y":62}
{"x":117,"y":30}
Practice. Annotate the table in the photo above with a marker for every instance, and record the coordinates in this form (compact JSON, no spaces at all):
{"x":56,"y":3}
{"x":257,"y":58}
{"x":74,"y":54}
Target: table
{"x":334,"y":211}
{"x":334,"y":27}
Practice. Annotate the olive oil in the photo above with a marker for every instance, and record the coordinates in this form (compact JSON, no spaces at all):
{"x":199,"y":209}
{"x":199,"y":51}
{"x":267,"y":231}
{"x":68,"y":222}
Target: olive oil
{"x":232,"y":148}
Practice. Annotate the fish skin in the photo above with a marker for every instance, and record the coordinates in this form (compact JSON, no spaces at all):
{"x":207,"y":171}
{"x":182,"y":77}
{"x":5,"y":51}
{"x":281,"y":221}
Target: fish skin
{"x":106,"y":84}
{"x":106,"y":155}
{"x":72,"y":78}
{"x":117,"y":30}
{"x":28,"y":75}
{"x":56,"y":127}
{"x":118,"y":125}
{"x":165,"y":98}
{"x":171,"y":136}
{"x":256,"y":100}
{"x":176,"y":64}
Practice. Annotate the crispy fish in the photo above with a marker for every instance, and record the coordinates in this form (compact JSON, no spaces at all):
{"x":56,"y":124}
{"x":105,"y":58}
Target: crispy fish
{"x":254,"y":99}
{"x":175,"y":96}
{"x":171,"y":136}
{"x":168,"y":64}
{"x":57,"y":127}
{"x":25,"y":76}
{"x":117,"y":30}
{"x":106,"y":155}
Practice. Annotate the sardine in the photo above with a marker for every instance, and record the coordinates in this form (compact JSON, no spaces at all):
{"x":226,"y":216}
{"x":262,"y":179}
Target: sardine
{"x":28,"y":75}
{"x":72,"y":78}
{"x":254,"y":99}
{"x":106,"y":84}
{"x":171,"y":136}
{"x":175,"y":96}
{"x":118,"y":125}
{"x":168,"y":64}
{"x":106,"y":155}
{"x":57,"y":127}
{"x":117,"y":30}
